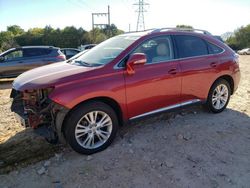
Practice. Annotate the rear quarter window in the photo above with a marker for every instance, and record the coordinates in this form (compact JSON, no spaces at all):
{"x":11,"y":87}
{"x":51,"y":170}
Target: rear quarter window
{"x":190,"y":46}
{"x":213,"y":49}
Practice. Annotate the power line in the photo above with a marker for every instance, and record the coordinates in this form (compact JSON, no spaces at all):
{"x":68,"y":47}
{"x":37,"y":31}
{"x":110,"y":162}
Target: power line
{"x":103,"y":25}
{"x":140,"y":20}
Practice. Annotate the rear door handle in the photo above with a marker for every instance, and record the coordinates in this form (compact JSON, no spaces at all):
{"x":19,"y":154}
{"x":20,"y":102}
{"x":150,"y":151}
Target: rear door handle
{"x":213,"y":64}
{"x":172,"y":71}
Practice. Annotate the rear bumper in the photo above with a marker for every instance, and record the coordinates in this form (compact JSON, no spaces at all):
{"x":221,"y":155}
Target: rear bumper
{"x":236,"y":78}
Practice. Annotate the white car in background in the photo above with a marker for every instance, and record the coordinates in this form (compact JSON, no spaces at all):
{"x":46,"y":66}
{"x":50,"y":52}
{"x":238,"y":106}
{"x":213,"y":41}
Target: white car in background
{"x":245,"y":51}
{"x":86,"y":47}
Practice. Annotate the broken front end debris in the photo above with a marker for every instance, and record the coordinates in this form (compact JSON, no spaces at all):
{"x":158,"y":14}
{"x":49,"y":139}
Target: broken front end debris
{"x":34,"y":109}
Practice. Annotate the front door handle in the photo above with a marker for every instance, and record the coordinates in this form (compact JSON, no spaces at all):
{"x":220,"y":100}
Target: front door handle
{"x":172,"y":71}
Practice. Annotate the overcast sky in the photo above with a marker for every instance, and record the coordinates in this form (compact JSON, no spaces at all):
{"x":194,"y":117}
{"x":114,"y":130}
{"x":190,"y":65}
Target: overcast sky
{"x":216,"y":16}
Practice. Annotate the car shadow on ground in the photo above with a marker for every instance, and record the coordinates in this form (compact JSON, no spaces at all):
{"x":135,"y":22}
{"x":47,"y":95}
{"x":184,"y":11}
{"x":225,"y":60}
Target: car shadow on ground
{"x":26,"y":147}
{"x":6,"y":83}
{"x":196,"y":112}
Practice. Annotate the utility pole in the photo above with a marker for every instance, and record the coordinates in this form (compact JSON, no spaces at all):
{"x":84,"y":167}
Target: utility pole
{"x":140,"y":20}
{"x":102,"y":25}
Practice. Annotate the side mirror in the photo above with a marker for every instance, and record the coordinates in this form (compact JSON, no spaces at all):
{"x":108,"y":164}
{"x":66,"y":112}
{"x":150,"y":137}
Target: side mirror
{"x":135,"y":59}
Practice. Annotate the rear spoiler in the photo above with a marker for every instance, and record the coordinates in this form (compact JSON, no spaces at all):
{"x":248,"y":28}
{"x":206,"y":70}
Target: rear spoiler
{"x":219,"y":38}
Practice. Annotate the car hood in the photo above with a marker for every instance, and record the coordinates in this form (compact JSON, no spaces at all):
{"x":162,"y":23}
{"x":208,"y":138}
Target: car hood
{"x":48,"y":76}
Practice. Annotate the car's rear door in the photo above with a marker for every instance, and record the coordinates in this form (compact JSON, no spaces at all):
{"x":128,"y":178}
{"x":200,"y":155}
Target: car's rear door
{"x":156,"y":85}
{"x":35,"y":57}
{"x":198,"y":67}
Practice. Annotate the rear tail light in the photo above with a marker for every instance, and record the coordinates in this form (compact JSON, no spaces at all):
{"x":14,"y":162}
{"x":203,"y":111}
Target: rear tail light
{"x":62,"y":57}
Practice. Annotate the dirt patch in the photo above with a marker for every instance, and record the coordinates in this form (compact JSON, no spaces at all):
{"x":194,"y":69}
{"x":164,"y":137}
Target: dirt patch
{"x":6,"y":83}
{"x":18,"y":146}
{"x":190,"y":148}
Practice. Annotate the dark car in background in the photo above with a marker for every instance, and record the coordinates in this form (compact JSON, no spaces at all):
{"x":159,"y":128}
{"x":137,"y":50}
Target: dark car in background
{"x":70,"y":52}
{"x":18,"y":60}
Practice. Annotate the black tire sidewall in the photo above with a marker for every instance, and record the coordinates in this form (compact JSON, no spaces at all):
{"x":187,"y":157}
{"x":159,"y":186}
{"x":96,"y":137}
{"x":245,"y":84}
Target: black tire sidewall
{"x":209,"y":103}
{"x":76,"y":114}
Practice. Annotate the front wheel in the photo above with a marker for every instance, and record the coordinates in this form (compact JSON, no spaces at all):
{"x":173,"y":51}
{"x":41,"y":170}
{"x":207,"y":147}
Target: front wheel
{"x":91,"y":127}
{"x":219,"y":96}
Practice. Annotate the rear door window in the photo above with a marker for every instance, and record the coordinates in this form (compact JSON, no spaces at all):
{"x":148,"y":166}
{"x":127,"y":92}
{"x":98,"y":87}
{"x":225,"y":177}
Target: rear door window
{"x":190,"y":46}
{"x":34,"y":52}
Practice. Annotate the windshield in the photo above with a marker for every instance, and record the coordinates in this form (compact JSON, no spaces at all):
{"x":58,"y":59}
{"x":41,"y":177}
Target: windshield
{"x":106,"y":51}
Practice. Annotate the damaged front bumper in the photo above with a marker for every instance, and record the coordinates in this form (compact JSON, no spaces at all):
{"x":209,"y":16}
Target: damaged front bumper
{"x":34,"y":109}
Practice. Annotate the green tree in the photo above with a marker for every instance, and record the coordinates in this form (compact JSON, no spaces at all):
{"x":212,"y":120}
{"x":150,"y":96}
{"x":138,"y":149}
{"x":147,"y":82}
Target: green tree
{"x":67,"y":37}
{"x":240,"y":39}
{"x":70,"y":37}
{"x":15,"y":30}
{"x":32,"y":37}
{"x":112,"y":30}
{"x":7,"y":40}
{"x":96,"y":36}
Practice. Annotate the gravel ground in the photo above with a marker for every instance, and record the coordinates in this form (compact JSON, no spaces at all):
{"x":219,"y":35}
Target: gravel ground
{"x":189,"y":148}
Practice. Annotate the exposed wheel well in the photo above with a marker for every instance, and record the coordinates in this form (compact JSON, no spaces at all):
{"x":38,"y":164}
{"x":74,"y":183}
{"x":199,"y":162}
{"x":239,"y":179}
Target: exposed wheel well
{"x":229,"y":79}
{"x":109,"y":101}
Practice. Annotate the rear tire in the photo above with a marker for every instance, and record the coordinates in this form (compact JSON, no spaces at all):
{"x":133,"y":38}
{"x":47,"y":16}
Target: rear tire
{"x":91,"y":127}
{"x":219,"y":96}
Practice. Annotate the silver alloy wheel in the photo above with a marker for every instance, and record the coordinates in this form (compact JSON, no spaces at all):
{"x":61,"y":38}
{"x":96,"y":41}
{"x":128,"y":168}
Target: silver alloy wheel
{"x":220,"y":96}
{"x":93,"y":129}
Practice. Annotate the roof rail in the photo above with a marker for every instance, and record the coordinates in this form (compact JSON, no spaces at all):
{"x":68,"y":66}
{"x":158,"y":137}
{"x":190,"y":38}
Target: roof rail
{"x":181,"y":29}
{"x":154,"y":30}
{"x":140,"y":31}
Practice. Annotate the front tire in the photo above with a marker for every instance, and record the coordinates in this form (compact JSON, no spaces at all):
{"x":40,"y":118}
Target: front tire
{"x":91,"y":127}
{"x":219,"y":96}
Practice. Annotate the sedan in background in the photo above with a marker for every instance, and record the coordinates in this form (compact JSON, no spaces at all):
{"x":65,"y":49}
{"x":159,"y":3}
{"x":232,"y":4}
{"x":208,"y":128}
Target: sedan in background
{"x":18,"y":60}
{"x":86,"y":47}
{"x":245,"y":51}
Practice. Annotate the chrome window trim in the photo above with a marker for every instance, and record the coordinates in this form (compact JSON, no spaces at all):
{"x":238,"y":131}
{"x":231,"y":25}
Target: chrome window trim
{"x":166,"y":108}
{"x":116,"y":67}
{"x":183,"y":58}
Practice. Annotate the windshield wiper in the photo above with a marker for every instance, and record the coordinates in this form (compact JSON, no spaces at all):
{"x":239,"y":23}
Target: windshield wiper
{"x":69,"y":61}
{"x":83,"y":63}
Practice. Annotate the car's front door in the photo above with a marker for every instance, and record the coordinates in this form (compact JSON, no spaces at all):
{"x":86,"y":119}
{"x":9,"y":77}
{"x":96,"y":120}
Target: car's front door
{"x":11,"y":65}
{"x":156,"y":85}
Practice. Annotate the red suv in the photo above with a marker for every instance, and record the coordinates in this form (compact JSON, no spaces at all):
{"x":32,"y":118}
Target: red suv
{"x":84,"y":100}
